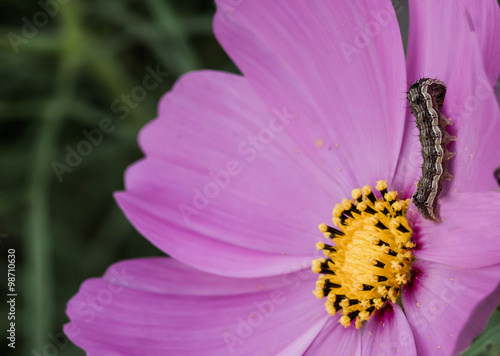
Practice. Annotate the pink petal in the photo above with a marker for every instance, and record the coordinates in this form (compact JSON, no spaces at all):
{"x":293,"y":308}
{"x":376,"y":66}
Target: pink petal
{"x":485,"y":18}
{"x":470,"y":101}
{"x":388,"y":333}
{"x":476,"y":125}
{"x":339,"y":65}
{"x":468,"y":237}
{"x":259,"y":219}
{"x":334,"y":340}
{"x":301,"y":344}
{"x":427,"y":56}
{"x":158,"y":307}
{"x":447,"y":307}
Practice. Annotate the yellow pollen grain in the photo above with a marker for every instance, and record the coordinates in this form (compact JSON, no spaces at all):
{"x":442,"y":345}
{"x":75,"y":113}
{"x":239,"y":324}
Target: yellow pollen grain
{"x":319,"y":142}
{"x":338,"y":210}
{"x":401,"y":278}
{"x":364,"y":315}
{"x":361,"y":206}
{"x":372,"y":257}
{"x":381,"y":185}
{"x":396,"y":265}
{"x":382,"y":290}
{"x":410,"y":245}
{"x":390,"y":196}
{"x":358,"y":323}
{"x":356,"y":193}
{"x":322,"y":227}
{"x":345,"y":321}
{"x":346,"y":204}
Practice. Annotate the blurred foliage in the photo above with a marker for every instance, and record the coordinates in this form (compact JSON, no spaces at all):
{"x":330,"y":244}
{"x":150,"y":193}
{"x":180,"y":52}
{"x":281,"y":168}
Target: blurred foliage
{"x":57,"y":83}
{"x":60,"y":82}
{"x":488,"y":344}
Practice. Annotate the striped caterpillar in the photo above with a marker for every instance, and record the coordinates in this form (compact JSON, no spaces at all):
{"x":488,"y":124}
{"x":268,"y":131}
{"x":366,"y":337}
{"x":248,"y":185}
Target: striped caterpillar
{"x":426,"y":97}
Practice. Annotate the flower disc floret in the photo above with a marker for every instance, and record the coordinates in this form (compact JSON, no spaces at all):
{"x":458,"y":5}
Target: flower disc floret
{"x":370,"y":259}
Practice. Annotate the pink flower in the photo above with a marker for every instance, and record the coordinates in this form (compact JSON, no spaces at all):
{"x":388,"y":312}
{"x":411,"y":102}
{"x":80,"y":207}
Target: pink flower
{"x":240,"y":170}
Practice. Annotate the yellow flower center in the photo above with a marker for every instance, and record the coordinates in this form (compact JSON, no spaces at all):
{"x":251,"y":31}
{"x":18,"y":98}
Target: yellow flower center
{"x":371,"y":258}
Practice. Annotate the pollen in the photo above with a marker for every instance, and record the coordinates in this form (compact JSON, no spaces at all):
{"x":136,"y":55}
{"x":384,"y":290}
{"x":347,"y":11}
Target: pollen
{"x":368,"y":260}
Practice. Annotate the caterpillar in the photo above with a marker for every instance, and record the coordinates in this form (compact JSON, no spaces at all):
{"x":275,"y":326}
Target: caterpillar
{"x":426,"y":97}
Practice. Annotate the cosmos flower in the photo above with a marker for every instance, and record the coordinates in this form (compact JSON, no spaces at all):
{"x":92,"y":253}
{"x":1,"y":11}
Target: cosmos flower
{"x":239,"y":171}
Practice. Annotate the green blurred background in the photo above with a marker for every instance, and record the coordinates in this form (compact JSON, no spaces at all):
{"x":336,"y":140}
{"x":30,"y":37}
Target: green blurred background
{"x":60,"y":76}
{"x":53,"y":85}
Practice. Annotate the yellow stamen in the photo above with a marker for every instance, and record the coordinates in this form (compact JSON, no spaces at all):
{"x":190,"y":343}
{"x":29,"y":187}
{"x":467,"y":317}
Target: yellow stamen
{"x":366,"y":190}
{"x":370,"y":258}
{"x":381,"y":185}
{"x":322,"y":227}
{"x":345,"y":320}
{"x":356,"y":194}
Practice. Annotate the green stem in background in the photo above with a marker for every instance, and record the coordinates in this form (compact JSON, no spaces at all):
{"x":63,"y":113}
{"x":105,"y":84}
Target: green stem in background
{"x":196,"y":25}
{"x":43,"y":43}
{"x":160,"y":39}
{"x":38,"y":244}
{"x":166,"y":19}
{"x":113,"y":76}
{"x":85,"y":114}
